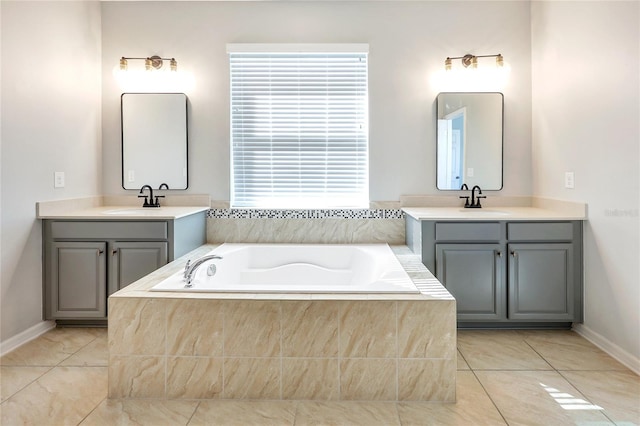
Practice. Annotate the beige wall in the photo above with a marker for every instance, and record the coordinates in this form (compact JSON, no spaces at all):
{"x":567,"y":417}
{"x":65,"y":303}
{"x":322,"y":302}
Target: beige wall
{"x":586,"y":110}
{"x":408,"y":43}
{"x":50,"y":122}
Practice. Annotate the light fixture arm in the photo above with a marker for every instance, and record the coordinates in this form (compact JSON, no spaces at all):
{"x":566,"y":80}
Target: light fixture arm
{"x":470,"y":60}
{"x":150,"y":62}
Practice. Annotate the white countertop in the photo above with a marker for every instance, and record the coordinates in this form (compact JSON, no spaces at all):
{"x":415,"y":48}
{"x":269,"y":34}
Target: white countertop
{"x":124,"y":213}
{"x":491,"y":213}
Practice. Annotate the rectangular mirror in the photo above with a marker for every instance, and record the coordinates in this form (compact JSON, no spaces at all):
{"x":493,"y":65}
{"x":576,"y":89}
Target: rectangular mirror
{"x":154,"y":140}
{"x":469,"y":140}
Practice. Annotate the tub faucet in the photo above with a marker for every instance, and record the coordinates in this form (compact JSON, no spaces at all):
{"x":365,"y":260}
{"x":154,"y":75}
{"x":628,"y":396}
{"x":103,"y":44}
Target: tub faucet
{"x":190,"y":268}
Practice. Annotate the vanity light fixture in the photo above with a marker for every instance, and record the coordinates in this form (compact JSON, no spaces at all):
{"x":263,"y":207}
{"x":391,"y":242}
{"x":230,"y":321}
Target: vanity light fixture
{"x":469,"y":60}
{"x":150,"y":63}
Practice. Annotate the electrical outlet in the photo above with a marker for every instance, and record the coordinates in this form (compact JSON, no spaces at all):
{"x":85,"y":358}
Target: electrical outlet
{"x":569,"y":180}
{"x":58,"y":180}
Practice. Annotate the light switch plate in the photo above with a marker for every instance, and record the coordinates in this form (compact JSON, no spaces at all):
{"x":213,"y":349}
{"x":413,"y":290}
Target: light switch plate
{"x":569,"y":180}
{"x":58,"y":180}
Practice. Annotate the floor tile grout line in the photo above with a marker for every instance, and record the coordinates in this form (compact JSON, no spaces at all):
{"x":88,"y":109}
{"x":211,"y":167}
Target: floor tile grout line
{"x":194,"y":413}
{"x":92,"y":410}
{"x":50,"y":367}
{"x":539,"y":354}
{"x":604,"y":412}
{"x":295,"y":414}
{"x":489,"y":395}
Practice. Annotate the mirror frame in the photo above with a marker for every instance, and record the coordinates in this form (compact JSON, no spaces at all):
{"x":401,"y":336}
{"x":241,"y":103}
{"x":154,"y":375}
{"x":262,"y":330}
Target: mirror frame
{"x":186,"y":137}
{"x":501,"y":136}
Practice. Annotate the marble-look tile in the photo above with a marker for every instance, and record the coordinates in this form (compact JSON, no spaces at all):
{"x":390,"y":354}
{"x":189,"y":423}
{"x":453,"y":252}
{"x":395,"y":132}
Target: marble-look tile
{"x":252,"y":378}
{"x":306,"y":231}
{"x":310,"y":378}
{"x":51,"y":348}
{"x":472,"y":407}
{"x":141,"y":412}
{"x":339,"y":413}
{"x":498,"y":350}
{"x":243,"y":413}
{"x":96,"y":353}
{"x":427,"y":380}
{"x":12,"y":379}
{"x":537,"y":398}
{"x":194,"y":378}
{"x":368,"y":379}
{"x":427,"y":329}
{"x":462,"y":364}
{"x":567,"y":350}
{"x":618,"y":392}
{"x":137,"y":326}
{"x":252,"y":329}
{"x":310,"y":329}
{"x":368,"y":329}
{"x":195,"y":327}
{"x":63,"y":396}
{"x":136,"y":377}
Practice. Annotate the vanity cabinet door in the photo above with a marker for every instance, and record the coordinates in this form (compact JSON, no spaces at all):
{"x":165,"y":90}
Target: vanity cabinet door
{"x":541,"y":282}
{"x":474,"y":275}
{"x":78,"y":280}
{"x":131,"y":261}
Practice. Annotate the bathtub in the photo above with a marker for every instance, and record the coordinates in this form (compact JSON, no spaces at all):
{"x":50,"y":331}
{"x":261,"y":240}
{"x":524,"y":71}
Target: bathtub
{"x":298,"y":268}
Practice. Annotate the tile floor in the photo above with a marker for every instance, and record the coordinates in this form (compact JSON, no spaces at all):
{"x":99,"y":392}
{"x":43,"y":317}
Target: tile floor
{"x":504,"y":377}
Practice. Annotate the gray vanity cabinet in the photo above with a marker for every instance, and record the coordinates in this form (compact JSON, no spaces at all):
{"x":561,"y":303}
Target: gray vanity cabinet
{"x":541,"y":282}
{"x":505,"y":273}
{"x":78,"y":284}
{"x":474,"y":274}
{"x":87,"y":260}
{"x":133,"y":260}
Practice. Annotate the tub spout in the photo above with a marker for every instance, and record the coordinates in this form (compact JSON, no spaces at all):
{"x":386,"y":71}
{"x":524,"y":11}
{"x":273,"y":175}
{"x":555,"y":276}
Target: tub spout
{"x":190,"y":268}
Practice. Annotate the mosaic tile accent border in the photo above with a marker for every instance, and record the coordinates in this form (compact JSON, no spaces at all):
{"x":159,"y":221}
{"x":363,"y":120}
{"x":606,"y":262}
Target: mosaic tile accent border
{"x":305,"y":214}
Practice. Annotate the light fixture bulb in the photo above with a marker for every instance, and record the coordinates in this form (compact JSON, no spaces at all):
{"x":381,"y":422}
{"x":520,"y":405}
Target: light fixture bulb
{"x":447,"y":64}
{"x":123,"y":64}
{"x":499,"y":61}
{"x":174,"y":64}
{"x":474,"y":62}
{"x":147,"y":64}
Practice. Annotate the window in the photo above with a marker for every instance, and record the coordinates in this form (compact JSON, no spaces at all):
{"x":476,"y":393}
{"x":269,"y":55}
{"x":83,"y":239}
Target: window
{"x":299,"y":126}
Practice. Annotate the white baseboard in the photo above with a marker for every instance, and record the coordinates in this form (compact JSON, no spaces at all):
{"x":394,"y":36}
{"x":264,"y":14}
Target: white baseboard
{"x":29,"y":334}
{"x":627,"y":359}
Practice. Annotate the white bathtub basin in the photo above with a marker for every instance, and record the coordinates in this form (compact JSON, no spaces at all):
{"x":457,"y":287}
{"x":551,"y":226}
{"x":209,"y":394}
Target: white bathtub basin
{"x":298,"y":268}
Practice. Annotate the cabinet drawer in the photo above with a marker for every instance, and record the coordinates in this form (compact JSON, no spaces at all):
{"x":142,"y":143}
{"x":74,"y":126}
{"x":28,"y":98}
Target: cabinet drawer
{"x":465,"y":231}
{"x":540,"y":231}
{"x":109,"y":230}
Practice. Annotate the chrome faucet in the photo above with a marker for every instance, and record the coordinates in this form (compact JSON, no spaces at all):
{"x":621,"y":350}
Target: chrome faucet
{"x":190,"y":268}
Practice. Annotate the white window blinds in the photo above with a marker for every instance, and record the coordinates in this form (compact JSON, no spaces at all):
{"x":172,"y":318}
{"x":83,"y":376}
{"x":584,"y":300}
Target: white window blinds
{"x":299,"y":130}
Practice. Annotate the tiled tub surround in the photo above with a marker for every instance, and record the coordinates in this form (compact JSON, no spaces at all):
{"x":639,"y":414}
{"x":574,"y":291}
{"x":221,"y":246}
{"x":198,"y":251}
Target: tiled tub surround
{"x":287,"y":346}
{"x":348,"y":226}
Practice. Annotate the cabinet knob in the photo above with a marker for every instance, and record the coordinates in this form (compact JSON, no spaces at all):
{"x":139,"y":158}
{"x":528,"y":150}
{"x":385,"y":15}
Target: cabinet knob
{"x":114,"y":252}
{"x":100,"y":252}
{"x":499,"y":253}
{"x":514,"y":254}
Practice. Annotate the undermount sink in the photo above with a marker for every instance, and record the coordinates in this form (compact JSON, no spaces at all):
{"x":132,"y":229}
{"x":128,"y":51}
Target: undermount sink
{"x":124,"y":212}
{"x":488,"y":212}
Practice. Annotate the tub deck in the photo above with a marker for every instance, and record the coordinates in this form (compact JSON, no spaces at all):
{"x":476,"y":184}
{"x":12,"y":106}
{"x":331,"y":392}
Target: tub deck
{"x":389,"y":347}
